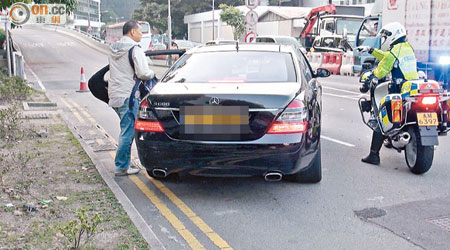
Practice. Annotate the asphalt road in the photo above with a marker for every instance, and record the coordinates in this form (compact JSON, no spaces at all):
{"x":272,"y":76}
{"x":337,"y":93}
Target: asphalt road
{"x":248,"y":213}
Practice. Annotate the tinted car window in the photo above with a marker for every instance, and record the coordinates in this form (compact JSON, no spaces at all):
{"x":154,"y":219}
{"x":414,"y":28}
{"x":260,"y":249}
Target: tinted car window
{"x":289,"y":41}
{"x":305,"y":67}
{"x":232,"y":66}
{"x":264,"y":40}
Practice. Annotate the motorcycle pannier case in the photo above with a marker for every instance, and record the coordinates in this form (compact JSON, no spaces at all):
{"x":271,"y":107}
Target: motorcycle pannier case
{"x":385,"y":114}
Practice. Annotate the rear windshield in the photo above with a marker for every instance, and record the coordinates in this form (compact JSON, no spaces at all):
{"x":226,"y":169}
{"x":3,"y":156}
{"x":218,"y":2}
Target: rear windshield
{"x":233,"y":67}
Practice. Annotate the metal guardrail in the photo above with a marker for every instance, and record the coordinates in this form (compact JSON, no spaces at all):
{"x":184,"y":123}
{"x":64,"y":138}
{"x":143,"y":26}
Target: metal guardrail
{"x":18,"y":64}
{"x":79,"y":31}
{"x":85,"y":33}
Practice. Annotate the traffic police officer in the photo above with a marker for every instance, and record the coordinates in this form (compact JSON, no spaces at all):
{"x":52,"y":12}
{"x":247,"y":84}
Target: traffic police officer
{"x":396,"y":57}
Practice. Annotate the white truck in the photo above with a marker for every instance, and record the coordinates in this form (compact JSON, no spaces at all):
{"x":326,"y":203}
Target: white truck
{"x":427,"y":24}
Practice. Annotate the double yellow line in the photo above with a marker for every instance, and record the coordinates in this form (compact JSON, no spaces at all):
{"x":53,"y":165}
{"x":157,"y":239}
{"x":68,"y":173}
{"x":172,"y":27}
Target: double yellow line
{"x":192,"y":241}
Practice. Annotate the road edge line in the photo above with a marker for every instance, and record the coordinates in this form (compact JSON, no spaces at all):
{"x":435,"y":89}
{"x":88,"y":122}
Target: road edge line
{"x":143,"y":228}
{"x":41,"y":85}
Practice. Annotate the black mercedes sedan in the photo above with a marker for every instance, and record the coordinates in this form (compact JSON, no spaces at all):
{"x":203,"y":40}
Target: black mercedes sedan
{"x":234,"y":110}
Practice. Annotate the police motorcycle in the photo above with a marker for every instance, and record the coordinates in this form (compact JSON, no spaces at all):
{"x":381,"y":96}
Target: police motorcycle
{"x":410,"y":121}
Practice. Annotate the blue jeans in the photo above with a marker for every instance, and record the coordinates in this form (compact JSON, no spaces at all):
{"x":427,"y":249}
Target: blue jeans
{"x":127,"y":118}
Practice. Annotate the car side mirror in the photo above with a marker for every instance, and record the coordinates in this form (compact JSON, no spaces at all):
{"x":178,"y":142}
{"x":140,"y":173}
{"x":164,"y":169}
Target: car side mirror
{"x":321,"y":72}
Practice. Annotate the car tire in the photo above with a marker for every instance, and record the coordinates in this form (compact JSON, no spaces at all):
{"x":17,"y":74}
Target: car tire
{"x":312,"y":174}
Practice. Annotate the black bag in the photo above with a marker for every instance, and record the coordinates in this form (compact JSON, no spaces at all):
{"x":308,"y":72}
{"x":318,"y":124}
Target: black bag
{"x":98,"y":86}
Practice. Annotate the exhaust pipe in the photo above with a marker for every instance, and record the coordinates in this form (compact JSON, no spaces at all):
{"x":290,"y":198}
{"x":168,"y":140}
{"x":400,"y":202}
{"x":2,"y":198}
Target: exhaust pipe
{"x":401,"y":140}
{"x":159,"y":173}
{"x":273,"y":176}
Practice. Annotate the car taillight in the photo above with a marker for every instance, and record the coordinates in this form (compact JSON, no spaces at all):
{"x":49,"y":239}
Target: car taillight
{"x":149,"y":46}
{"x":291,"y":121}
{"x":147,"y":121}
{"x":397,"y":110}
{"x":288,"y":127}
{"x":148,"y":126}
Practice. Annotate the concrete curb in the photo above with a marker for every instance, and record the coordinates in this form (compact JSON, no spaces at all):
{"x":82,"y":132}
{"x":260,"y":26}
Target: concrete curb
{"x":100,"y":47}
{"x":145,"y":230}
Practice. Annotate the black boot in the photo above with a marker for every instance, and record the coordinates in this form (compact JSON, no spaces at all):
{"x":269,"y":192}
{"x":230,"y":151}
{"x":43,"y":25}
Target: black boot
{"x":372,"y":158}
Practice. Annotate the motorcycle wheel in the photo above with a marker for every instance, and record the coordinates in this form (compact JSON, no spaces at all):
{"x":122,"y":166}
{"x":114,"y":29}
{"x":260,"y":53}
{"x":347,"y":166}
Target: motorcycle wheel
{"x":418,"y":158}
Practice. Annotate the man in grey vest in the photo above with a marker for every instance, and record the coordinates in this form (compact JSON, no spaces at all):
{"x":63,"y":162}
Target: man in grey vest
{"x":120,"y":86}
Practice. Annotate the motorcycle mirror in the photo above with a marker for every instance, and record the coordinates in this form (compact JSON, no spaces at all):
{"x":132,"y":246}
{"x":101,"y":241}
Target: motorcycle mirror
{"x":367,"y":66}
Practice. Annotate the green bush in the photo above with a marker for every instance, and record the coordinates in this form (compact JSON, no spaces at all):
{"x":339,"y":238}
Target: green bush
{"x":10,"y":123}
{"x":13,"y":89}
{"x":2,"y":37}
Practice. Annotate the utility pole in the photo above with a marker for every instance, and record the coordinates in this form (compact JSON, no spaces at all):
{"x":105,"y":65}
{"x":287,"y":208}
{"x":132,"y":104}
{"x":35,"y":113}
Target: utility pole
{"x":169,"y":24}
{"x":89,"y":17}
{"x":8,"y":49}
{"x":213,"y":18}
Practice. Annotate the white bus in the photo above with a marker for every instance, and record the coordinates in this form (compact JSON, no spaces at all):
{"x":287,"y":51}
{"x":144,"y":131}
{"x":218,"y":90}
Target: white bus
{"x":114,"y":33}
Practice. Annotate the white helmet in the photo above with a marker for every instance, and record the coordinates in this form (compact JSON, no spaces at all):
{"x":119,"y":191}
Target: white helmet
{"x":390,"y":33}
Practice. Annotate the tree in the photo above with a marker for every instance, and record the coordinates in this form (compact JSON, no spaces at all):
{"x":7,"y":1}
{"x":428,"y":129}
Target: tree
{"x":71,"y":5}
{"x":233,"y":17}
{"x":155,"y":12}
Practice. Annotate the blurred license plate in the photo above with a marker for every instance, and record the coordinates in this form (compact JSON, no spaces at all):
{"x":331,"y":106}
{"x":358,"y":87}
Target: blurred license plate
{"x":214,"y":120}
{"x":427,"y":119}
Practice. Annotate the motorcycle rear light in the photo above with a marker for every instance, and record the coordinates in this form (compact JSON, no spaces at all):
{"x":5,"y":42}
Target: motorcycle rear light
{"x":429,"y":100}
{"x":148,"y":126}
{"x":397,"y":111}
{"x":280,"y":127}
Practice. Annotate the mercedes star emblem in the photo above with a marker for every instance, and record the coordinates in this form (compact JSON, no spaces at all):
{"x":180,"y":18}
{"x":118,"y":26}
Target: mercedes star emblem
{"x":214,"y":100}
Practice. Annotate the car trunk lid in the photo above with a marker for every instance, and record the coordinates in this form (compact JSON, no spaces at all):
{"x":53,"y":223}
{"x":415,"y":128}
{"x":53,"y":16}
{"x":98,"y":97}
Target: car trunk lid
{"x":219,"y":111}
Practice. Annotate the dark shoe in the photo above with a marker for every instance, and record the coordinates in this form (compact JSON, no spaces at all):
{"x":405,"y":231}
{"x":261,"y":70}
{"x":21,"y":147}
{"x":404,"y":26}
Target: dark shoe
{"x":372,"y":158}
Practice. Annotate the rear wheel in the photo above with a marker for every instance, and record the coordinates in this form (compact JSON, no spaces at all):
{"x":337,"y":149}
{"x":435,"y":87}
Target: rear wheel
{"x":418,"y":158}
{"x":311,"y":175}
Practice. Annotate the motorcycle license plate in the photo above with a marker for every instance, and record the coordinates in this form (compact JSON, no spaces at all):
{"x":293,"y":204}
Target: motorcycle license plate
{"x":427,"y":119}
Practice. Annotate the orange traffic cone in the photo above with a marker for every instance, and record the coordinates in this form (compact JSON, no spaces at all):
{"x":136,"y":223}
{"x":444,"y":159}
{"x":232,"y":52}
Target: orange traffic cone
{"x":83,"y":84}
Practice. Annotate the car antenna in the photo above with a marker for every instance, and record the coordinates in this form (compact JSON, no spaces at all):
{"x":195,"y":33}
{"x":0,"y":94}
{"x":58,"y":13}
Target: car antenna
{"x":237,"y":46}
